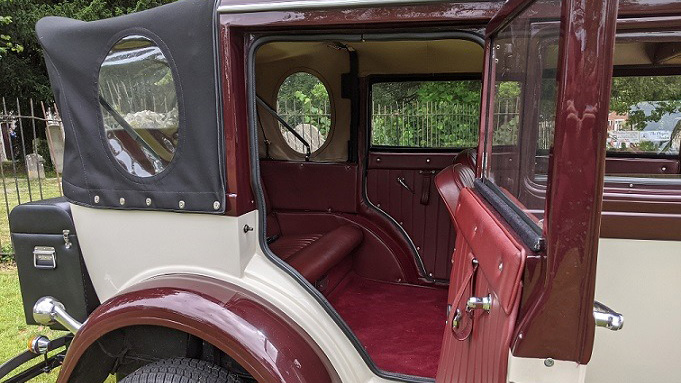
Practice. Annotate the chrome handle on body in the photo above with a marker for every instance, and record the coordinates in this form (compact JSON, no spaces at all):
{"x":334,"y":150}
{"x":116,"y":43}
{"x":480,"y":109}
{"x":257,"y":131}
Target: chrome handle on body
{"x":607,"y":317}
{"x":479,"y":303}
{"x":401,"y":181}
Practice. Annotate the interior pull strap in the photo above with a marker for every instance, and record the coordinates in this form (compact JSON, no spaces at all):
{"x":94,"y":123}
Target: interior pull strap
{"x":461,"y":320}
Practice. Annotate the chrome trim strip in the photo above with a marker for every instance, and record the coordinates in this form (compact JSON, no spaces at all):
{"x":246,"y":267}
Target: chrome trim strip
{"x":304,"y":5}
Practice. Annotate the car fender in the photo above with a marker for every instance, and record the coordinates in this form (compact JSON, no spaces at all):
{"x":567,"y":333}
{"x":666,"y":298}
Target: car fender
{"x":268,"y":344}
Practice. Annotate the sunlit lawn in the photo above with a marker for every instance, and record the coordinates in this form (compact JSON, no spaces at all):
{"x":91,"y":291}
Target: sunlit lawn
{"x":50,"y":189}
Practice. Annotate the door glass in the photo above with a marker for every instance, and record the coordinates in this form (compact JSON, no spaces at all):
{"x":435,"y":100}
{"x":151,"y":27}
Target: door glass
{"x":524,"y":105}
{"x":645,"y":115}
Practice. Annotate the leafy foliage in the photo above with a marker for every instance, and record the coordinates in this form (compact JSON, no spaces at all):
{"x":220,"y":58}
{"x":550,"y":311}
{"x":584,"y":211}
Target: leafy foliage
{"x":304,"y":103}
{"x":21,"y":64}
{"x":426,"y":114}
{"x":628,"y":92}
{"x":6,"y":43}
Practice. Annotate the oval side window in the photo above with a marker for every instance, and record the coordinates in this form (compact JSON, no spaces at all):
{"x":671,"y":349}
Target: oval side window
{"x":139,"y":106}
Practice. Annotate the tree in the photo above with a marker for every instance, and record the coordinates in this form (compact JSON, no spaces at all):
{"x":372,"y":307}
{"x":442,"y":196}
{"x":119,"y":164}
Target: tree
{"x":22,"y":66}
{"x":6,"y":44}
{"x":629,"y":92}
{"x":441,"y":114}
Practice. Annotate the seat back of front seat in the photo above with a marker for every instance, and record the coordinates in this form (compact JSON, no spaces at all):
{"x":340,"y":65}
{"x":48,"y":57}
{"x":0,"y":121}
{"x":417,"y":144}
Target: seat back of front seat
{"x":451,"y":180}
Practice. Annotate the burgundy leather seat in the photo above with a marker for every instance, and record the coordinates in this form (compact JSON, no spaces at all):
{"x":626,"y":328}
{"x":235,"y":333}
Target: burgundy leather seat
{"x":468,"y":158}
{"x":452,"y":179}
{"x":313,"y":255}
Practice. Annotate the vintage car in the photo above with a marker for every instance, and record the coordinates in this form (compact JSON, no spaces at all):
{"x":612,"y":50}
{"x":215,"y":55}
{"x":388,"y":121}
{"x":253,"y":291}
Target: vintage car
{"x":262,"y":191}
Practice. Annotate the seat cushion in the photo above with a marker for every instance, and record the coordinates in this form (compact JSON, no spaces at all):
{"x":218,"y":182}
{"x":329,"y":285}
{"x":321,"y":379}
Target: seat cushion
{"x":285,"y":246}
{"x":316,"y":259}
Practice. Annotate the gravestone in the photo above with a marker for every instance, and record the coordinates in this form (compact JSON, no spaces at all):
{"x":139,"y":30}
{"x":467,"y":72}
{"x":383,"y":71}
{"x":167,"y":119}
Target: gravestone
{"x":34,"y":166}
{"x":55,"y":139}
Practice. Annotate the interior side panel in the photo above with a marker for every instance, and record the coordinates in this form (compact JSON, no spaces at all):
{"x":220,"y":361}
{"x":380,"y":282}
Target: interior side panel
{"x":328,"y":187}
{"x":403,"y":186}
{"x":306,"y":197}
{"x":476,"y":343}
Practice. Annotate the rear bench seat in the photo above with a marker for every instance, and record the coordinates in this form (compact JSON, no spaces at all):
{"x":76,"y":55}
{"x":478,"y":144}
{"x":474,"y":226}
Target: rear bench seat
{"x":312,"y":255}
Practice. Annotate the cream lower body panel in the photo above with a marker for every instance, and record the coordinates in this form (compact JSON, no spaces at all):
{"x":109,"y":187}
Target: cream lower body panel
{"x":123,"y":248}
{"x":642,"y":281}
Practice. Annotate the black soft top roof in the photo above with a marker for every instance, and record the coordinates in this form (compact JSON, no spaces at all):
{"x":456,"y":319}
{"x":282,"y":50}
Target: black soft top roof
{"x":186,"y":32}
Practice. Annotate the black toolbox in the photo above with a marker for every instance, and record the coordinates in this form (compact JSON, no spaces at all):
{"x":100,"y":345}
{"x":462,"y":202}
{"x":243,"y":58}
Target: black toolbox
{"x":49,"y":260}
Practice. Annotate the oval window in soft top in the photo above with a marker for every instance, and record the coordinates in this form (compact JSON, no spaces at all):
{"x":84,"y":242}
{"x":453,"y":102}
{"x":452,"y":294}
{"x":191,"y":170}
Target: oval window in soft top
{"x":139,"y":106}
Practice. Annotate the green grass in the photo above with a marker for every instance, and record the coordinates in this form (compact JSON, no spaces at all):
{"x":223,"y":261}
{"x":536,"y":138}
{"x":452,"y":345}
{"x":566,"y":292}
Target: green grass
{"x":14,"y":332}
{"x":50,"y":189}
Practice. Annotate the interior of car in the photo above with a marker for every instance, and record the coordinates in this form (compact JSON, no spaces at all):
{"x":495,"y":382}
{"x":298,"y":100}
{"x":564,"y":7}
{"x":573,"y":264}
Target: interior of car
{"x":365,"y":145}
{"x":359,"y":216}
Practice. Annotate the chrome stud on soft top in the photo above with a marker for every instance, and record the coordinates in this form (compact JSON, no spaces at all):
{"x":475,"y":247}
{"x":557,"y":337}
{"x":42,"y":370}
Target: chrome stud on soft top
{"x":148,"y":201}
{"x":216,"y":205}
{"x":181,"y":204}
{"x":121,"y":201}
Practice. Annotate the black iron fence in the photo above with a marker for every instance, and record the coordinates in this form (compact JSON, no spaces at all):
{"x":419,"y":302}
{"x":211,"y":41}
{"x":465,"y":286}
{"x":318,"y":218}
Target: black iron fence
{"x":31,"y":150}
{"x":420,"y":124}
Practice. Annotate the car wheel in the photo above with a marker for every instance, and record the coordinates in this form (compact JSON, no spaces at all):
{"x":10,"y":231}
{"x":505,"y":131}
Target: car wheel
{"x":181,"y":370}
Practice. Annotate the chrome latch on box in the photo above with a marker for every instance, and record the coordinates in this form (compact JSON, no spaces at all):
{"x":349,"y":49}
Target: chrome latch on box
{"x":44,"y":257}
{"x":67,"y":241}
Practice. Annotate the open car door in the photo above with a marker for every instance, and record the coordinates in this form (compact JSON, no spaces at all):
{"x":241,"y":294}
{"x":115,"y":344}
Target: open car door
{"x":522,"y":283}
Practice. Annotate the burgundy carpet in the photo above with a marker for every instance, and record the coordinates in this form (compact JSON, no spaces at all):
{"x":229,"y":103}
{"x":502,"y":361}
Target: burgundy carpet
{"x":400,"y":326}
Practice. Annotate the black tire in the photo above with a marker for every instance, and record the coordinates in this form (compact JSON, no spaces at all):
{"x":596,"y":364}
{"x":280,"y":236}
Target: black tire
{"x":181,"y":370}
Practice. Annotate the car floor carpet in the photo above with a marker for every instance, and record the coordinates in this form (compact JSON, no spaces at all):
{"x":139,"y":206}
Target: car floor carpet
{"x":400,"y":325}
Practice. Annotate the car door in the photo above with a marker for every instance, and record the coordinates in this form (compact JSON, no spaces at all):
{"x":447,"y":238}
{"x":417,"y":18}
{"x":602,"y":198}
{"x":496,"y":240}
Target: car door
{"x":521,"y":296}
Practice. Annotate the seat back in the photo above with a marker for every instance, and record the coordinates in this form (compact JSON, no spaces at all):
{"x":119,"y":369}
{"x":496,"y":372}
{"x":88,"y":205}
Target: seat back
{"x":451,"y":180}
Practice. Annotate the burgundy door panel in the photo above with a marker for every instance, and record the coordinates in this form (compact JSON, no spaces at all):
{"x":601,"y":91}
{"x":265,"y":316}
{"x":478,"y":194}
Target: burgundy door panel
{"x":614,"y":166}
{"x":402,"y":185}
{"x":477,"y":349}
{"x":626,"y":165}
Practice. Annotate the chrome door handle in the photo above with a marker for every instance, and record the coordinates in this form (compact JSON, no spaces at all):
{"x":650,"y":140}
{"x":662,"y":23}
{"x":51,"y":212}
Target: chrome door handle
{"x":400,"y":180}
{"x":479,"y":303}
{"x":607,"y":317}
